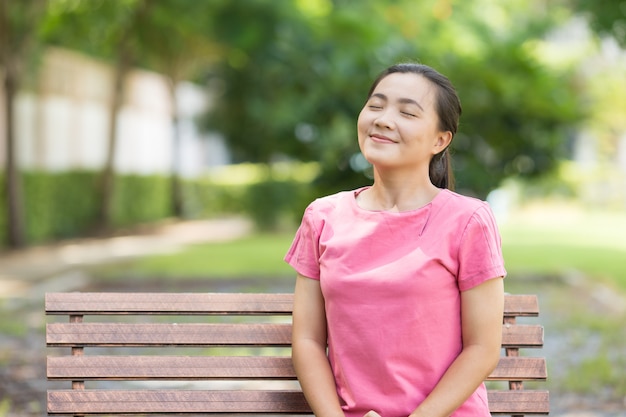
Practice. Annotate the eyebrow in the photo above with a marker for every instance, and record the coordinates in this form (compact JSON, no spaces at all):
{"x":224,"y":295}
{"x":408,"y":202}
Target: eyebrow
{"x":401,"y":100}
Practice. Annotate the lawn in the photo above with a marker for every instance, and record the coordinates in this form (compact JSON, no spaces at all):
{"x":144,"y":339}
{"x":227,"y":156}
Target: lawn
{"x":253,"y":256}
{"x":567,"y":241}
{"x":541,"y":241}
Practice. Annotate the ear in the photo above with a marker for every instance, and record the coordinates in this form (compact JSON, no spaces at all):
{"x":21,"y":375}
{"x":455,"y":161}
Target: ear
{"x":442,"y":141}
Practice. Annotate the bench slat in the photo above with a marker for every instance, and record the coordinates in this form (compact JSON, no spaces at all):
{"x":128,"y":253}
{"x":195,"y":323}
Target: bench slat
{"x":212,"y":334}
{"x":170,"y":367}
{"x":169,"y":303}
{"x":160,"y":334}
{"x":175,"y":401}
{"x":522,"y":335}
{"x":210,"y":303}
{"x":229,"y":367}
{"x":519,"y":402}
{"x":228,"y":401}
{"x":521,"y":305}
{"x":520,"y":369}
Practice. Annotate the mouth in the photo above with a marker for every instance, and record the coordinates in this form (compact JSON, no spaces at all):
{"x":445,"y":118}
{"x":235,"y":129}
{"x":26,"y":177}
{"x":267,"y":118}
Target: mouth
{"x":381,"y":139}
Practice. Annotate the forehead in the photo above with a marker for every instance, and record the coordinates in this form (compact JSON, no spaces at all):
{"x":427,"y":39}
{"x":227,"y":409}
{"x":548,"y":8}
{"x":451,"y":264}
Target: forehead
{"x":399,"y":86}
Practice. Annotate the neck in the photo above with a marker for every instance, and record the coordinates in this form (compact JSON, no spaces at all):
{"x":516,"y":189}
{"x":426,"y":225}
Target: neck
{"x":398,"y":192}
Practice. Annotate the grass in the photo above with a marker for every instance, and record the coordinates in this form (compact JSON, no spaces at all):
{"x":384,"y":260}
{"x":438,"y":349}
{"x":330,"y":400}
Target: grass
{"x":542,"y":241}
{"x":254,"y":256}
{"x":585,"y":332}
{"x":567,"y":241}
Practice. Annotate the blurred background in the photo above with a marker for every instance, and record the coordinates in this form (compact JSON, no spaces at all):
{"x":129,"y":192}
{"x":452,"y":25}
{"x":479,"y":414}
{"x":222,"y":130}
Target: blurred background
{"x":173,"y":145}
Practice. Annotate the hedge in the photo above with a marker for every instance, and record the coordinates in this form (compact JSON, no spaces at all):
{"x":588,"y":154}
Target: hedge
{"x":65,"y":205}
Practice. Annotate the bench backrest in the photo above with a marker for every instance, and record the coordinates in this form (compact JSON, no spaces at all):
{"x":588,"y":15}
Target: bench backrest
{"x":203,"y":353}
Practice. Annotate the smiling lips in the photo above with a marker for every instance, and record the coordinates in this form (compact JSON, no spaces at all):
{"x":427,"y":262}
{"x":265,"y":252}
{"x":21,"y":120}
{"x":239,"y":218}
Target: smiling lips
{"x":381,"y":139}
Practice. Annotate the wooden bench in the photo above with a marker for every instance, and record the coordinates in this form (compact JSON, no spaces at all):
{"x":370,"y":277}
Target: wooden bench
{"x":210,"y":353}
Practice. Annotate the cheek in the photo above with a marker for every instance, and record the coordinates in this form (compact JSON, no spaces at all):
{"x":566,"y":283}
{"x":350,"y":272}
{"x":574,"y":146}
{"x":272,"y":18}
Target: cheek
{"x":362,"y":125}
{"x":360,"y":121}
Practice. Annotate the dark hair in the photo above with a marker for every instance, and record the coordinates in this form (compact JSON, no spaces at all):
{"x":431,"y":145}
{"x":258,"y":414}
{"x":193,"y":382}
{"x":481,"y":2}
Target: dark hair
{"x":448,"y":108}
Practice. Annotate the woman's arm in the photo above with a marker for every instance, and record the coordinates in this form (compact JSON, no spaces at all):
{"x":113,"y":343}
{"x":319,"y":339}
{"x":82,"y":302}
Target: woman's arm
{"x":309,"y":349}
{"x":481,"y":321}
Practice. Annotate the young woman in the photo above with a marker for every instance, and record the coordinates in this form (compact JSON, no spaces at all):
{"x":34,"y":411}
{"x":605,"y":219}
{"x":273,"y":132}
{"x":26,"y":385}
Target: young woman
{"x":399,"y":291}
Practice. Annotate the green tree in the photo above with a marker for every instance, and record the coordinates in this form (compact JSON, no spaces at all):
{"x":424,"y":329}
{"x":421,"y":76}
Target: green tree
{"x":295,"y":80}
{"x":260,"y":76}
{"x":174,"y":42}
{"x":168,"y":36}
{"x":607,"y":17}
{"x":518,"y":111}
{"x":110,"y":30}
{"x":19,"y":42}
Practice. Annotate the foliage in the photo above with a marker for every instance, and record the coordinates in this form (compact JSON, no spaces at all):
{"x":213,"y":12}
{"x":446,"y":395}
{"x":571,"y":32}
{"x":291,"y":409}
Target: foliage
{"x":269,"y":202}
{"x":272,"y":202}
{"x":19,"y":44}
{"x":19,"y":40}
{"x":607,"y":17}
{"x":261,"y":76}
{"x":166,"y":35}
{"x":174,"y":40}
{"x":141,"y":199}
{"x":61,"y":205}
{"x":65,"y":205}
{"x":293,"y":82}
{"x":96,"y":28}
{"x":290,"y":77}
{"x":106,"y":29}
{"x":204,"y":198}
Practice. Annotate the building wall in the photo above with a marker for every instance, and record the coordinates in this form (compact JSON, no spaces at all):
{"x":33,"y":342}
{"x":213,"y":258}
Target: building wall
{"x":64,"y":123}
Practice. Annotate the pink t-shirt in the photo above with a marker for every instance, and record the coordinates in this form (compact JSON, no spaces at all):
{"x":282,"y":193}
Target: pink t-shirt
{"x":391,"y":284}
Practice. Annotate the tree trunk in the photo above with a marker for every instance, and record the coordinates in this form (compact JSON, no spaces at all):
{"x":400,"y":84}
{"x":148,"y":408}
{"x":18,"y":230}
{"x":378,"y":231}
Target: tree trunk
{"x":107,"y":179}
{"x":176,"y":183}
{"x":124,"y":61}
{"x":13,"y":184}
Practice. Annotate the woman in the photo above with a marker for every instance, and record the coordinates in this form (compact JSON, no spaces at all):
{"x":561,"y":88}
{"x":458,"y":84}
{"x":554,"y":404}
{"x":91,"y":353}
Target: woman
{"x":401,"y":280}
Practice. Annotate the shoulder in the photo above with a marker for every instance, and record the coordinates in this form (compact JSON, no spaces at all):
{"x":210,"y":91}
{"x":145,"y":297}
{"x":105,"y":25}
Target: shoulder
{"x":326,"y":210}
{"x":462,"y":204}
{"x":330,"y":203}
{"x":465,"y":209}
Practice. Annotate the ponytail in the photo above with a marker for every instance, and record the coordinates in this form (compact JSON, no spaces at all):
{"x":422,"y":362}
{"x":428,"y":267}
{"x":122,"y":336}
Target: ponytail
{"x":440,"y":170}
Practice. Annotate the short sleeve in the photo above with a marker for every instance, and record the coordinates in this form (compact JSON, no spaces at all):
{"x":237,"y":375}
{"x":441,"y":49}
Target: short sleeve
{"x":480,"y":251}
{"x":304,"y":253}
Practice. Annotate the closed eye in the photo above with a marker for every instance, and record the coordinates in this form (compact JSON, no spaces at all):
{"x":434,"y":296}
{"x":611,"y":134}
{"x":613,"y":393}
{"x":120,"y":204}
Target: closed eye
{"x":408,"y":114}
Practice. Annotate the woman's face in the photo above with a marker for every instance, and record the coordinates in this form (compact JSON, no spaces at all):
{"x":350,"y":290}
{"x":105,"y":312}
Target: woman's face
{"x":399,"y":126}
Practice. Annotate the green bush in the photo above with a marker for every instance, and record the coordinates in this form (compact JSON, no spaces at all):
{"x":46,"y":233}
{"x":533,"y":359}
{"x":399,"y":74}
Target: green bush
{"x":141,"y":199}
{"x":66,"y":204}
{"x":273,"y":203}
{"x":58,"y":205}
{"x":203,"y":198}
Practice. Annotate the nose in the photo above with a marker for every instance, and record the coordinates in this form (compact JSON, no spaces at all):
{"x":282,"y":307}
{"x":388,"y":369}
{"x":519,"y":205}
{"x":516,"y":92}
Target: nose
{"x":383,"y":120}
